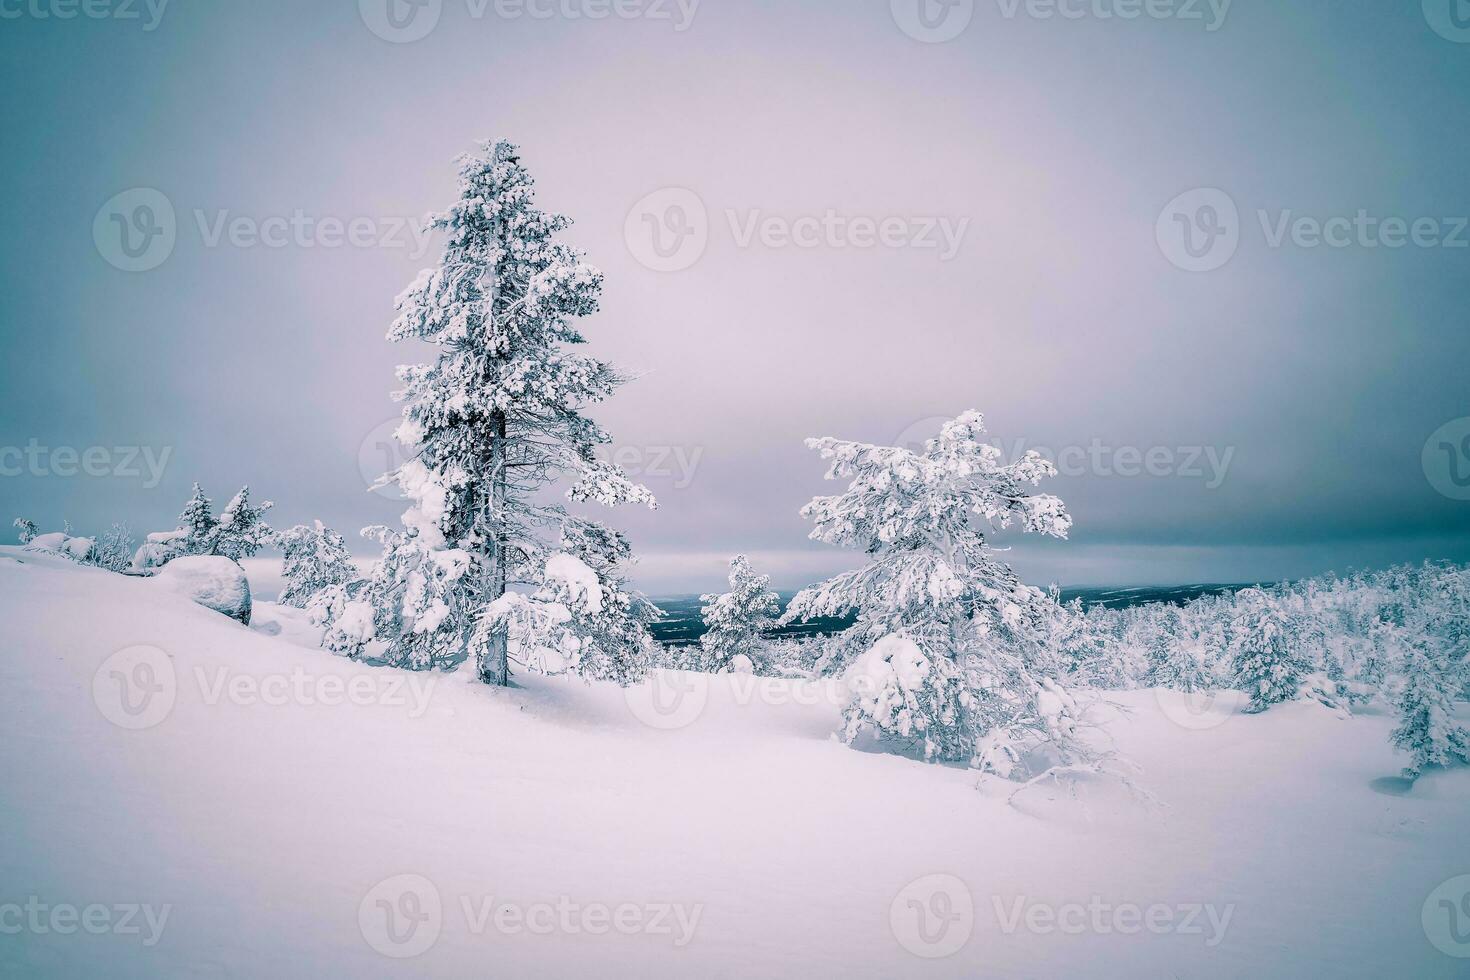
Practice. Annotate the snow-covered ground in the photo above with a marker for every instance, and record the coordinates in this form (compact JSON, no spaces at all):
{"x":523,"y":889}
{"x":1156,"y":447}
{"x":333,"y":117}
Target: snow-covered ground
{"x":185,"y":796}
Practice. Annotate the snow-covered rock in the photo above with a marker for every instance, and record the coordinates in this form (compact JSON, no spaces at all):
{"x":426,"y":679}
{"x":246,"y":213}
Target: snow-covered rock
{"x":212,"y":581}
{"x":159,"y":548}
{"x":55,"y":541}
{"x":77,"y":549}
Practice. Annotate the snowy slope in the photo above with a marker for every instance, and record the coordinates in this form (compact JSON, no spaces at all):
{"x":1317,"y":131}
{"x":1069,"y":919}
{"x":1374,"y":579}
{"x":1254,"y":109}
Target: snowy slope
{"x":745,"y":843}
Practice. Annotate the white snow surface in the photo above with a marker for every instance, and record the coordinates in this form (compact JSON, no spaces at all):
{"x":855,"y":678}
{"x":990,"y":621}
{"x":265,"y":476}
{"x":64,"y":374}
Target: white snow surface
{"x":265,"y":827}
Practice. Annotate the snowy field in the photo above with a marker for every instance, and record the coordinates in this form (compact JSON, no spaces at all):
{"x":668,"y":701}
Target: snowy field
{"x":185,"y":796}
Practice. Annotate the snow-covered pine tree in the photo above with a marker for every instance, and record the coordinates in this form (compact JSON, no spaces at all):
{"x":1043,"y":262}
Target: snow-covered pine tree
{"x":736,"y":621}
{"x":948,"y":651}
{"x":1266,"y":660}
{"x":1427,"y":729}
{"x":241,"y":530}
{"x":493,"y":421}
{"x":199,"y":521}
{"x":26,"y":529}
{"x":315,"y":558}
{"x":1173,"y":661}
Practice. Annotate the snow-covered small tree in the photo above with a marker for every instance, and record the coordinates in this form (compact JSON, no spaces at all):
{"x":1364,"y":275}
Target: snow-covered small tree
{"x":736,"y":621}
{"x":26,"y":529}
{"x":948,"y":651}
{"x":315,"y":557}
{"x":1267,"y":662}
{"x":114,"y":550}
{"x":1427,"y":729}
{"x":491,"y":423}
{"x":199,"y":522}
{"x":241,"y":530}
{"x":1173,"y":660}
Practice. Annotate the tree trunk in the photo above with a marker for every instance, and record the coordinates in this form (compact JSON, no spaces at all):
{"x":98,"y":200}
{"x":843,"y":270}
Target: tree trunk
{"x":495,"y":663}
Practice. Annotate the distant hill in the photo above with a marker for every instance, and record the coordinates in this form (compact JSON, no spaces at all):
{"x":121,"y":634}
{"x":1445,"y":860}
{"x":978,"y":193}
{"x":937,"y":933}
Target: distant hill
{"x":681,"y":625}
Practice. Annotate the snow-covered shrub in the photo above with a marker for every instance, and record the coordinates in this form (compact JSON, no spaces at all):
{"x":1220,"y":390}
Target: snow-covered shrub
{"x":950,"y":651}
{"x":114,"y":551}
{"x":735,"y":621}
{"x":315,"y":557}
{"x":26,"y":529}
{"x":494,"y":420}
{"x":344,"y":616}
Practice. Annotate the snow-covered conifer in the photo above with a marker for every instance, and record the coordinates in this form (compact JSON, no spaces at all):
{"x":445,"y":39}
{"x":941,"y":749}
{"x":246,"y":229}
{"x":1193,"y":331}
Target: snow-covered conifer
{"x":736,"y":621}
{"x":26,"y":529}
{"x":1427,"y":729}
{"x":491,"y":422}
{"x":199,"y":521}
{"x":949,"y":649}
{"x":1174,"y":661}
{"x":315,"y":557}
{"x":1267,"y":662}
{"x":241,"y":530}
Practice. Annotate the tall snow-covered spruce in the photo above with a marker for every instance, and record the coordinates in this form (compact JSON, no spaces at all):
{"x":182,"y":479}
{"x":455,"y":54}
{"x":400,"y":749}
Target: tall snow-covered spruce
{"x":950,"y":649}
{"x":735,"y":621}
{"x":489,"y":425}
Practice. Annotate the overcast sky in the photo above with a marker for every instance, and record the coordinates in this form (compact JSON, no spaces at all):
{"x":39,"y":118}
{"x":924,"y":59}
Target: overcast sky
{"x":862,"y":228}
